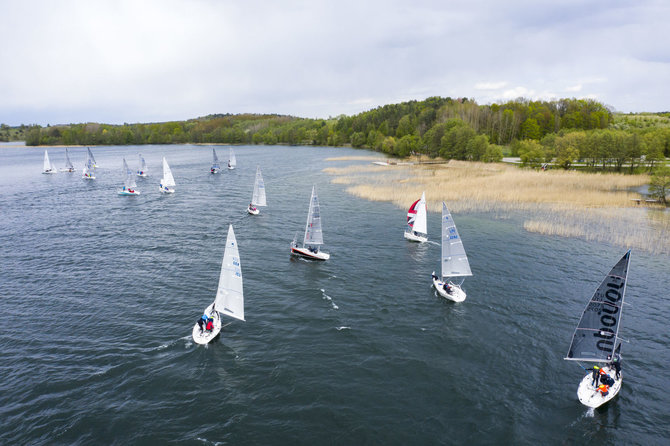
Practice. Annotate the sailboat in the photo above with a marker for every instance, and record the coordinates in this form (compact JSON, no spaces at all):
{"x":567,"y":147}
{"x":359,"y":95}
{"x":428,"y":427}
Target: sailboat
{"x":88,"y":172}
{"x":91,"y":157}
{"x":215,"y":163}
{"x":129,"y":184}
{"x":167,"y":182}
{"x":48,"y":167}
{"x":229,"y":299}
{"x":417,"y":229}
{"x":258,"y":197}
{"x":313,"y":234}
{"x":454,"y":260}
{"x":68,"y":164}
{"x":232,"y":162}
{"x":142,"y":171}
{"x":596,"y":338}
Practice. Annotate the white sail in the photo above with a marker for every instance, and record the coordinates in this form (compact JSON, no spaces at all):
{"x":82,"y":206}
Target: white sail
{"x":129,"y":182}
{"x":215,"y":160}
{"x":232,"y":162}
{"x":258,"y":198}
{"x":143,"y":166}
{"x":230,"y":296}
{"x":454,"y":260}
{"x":90,"y":156}
{"x":68,"y":163}
{"x":168,"y":179}
{"x":313,"y":233}
{"x":421,"y":221}
{"x":47,"y":163}
{"x":89,"y":170}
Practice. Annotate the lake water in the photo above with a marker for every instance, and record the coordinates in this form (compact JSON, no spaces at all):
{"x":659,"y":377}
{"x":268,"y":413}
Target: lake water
{"x":98,"y":295}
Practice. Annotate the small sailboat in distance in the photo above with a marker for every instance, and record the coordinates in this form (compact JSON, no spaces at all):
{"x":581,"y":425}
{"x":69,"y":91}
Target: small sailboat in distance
{"x":129,"y":184}
{"x":48,"y":167}
{"x":91,"y":157}
{"x":216,"y":167}
{"x":167,"y":182}
{"x":454,"y":261}
{"x":229,"y":299}
{"x":89,"y":170}
{"x":313,"y":234}
{"x":142,"y":171}
{"x":596,"y":338}
{"x":232,"y":162}
{"x":258,"y":197}
{"x":68,"y":164}
{"x":417,"y":224}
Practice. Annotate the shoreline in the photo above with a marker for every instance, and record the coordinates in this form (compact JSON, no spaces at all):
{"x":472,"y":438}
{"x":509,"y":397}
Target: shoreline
{"x":588,"y":206}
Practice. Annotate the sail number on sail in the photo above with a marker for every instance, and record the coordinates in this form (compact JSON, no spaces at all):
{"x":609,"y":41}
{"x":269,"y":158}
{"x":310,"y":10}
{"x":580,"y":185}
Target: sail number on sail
{"x":608,"y":317}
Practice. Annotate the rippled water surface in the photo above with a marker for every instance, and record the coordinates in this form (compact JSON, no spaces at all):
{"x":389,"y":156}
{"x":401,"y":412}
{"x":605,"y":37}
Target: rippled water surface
{"x":99,"y":294}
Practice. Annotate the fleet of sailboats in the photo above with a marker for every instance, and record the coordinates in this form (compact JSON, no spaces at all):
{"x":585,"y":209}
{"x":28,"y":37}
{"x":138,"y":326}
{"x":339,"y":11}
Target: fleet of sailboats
{"x":258,"y":197}
{"x":167,"y":183}
{"x":417,"y":221}
{"x":311,"y":245}
{"x":229,"y":299}
{"x":48,"y":166}
{"x":129,"y":185}
{"x":454,"y":260}
{"x":596,"y":339}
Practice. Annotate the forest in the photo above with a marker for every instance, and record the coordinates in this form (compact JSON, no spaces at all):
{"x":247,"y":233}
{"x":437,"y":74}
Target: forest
{"x":565,"y":132}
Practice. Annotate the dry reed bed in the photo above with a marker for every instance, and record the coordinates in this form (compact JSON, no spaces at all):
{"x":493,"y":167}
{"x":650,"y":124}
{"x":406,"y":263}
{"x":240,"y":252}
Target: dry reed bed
{"x":570,"y":204}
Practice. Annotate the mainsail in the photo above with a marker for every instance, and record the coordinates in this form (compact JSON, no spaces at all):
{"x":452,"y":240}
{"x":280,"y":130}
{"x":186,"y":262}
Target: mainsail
{"x":230,"y":296}
{"x":258,"y":198}
{"x":454,"y":260}
{"x":168,"y":179}
{"x":232,"y":162}
{"x":416,"y":216}
{"x":597,"y":335}
{"x":68,"y":163}
{"x":47,"y":163}
{"x":313,"y":234}
{"x":130,"y":178}
{"x":90,"y":156}
{"x":143,"y":166}
{"x":215,"y":160}
{"x":89,"y":168}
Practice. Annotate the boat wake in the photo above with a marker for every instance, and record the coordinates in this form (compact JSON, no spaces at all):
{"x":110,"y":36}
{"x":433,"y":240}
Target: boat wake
{"x":433,"y":242}
{"x":329,"y":299}
{"x":342,"y":328}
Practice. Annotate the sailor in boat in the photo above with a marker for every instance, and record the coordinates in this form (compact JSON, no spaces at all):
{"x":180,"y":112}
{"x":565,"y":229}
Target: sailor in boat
{"x":447,"y":288}
{"x":604,"y":389}
{"x":252,"y":207}
{"x":202,"y":322}
{"x":596,"y":375}
{"x":616,"y":362}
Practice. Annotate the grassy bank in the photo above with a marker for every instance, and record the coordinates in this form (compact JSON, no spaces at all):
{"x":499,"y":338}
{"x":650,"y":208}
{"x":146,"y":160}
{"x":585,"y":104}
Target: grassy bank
{"x":591,"y":206}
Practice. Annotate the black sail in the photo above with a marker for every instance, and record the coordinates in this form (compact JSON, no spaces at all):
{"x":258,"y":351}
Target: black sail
{"x":597,"y":334}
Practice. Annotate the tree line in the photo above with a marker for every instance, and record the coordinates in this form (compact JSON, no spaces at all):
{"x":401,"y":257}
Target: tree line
{"x":565,"y":131}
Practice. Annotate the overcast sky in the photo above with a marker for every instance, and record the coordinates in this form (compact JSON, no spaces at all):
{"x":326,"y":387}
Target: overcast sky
{"x":148,"y":61}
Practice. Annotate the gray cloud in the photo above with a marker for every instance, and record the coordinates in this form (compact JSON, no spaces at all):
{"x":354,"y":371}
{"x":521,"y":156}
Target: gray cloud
{"x":128,"y":61}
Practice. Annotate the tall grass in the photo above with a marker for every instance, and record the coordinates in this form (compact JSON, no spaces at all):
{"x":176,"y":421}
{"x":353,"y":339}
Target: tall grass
{"x":593,"y":206}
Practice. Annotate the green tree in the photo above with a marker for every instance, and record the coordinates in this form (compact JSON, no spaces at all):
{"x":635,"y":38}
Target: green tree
{"x":530,"y":129}
{"x":659,"y":186}
{"x":493,"y":154}
{"x":532,"y":153}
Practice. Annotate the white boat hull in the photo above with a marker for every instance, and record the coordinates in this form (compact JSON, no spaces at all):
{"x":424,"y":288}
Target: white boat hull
{"x":128,"y":192}
{"x":416,"y":237}
{"x":143,"y":175}
{"x":203,"y":336}
{"x":456,"y":295}
{"x":588,"y":394}
{"x":253,"y":211}
{"x":50,"y":171}
{"x":88,"y":178}
{"x":304,"y":252}
{"x":166,"y":190}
